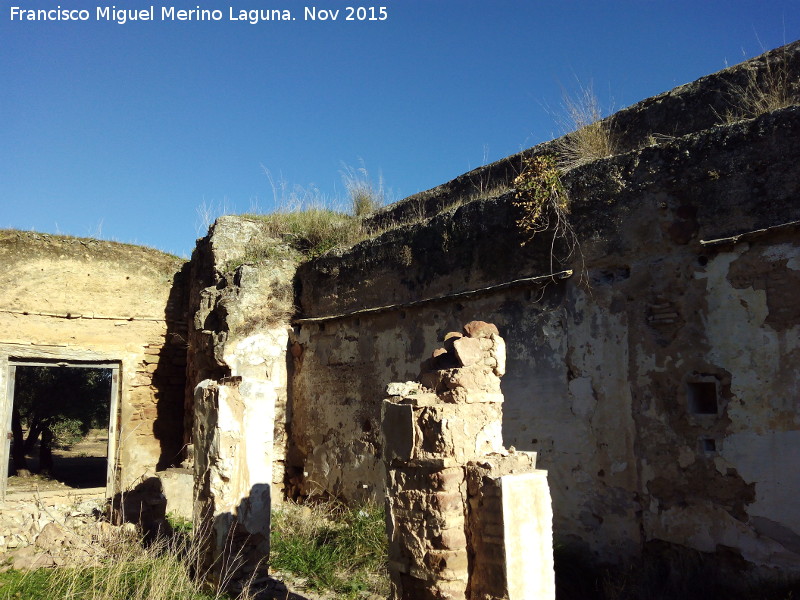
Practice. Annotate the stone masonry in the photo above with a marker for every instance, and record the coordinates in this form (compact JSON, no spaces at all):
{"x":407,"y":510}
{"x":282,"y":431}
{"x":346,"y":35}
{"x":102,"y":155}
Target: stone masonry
{"x":452,"y":488}
{"x":657,"y":383}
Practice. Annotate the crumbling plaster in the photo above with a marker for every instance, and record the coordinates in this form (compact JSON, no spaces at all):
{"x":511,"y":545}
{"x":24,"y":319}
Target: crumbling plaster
{"x":238,"y":360}
{"x":598,"y":373}
{"x":686,"y":281}
{"x":89,"y":301}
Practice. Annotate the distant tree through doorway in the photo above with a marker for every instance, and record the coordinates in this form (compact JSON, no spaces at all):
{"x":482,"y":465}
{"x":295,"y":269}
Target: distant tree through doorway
{"x":55,"y":408}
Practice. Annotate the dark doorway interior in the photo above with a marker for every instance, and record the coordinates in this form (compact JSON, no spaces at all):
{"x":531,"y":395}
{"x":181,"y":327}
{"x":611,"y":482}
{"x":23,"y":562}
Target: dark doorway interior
{"x":60,"y":423}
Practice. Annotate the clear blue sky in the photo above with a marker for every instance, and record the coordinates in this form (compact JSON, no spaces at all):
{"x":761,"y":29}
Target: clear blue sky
{"x":124,"y":130}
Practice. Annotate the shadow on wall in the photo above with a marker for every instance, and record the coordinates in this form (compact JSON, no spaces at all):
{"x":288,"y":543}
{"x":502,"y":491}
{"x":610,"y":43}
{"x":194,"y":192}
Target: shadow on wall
{"x":231,"y":551}
{"x":235,"y":547}
{"x":293,"y":458}
{"x":145,"y":505}
{"x":169,"y":377}
{"x":536,"y":382}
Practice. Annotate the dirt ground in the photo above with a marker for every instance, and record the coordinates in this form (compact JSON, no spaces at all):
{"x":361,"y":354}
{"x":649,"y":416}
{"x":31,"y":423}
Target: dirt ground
{"x":82,"y":466}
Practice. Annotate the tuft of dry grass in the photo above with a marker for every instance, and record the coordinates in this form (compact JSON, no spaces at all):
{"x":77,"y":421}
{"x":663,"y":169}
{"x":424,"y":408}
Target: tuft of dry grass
{"x":588,"y":136}
{"x":126,"y":569}
{"x":764,"y":90}
{"x":365,"y":195}
{"x":307,"y":232}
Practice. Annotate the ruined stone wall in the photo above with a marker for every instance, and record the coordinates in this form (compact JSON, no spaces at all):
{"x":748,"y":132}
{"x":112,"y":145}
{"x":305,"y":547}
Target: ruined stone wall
{"x":660,"y":397}
{"x":92,"y":301}
{"x":240,"y":309}
{"x":686,"y":109}
{"x":466,"y":518}
{"x":238,"y":345}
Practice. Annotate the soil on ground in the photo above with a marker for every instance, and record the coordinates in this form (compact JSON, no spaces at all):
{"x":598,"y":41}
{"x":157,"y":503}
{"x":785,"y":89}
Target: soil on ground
{"x":81,"y":466}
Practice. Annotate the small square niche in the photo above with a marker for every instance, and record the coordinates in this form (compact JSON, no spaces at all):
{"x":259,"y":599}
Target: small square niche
{"x":708,"y":445}
{"x":702,"y":396}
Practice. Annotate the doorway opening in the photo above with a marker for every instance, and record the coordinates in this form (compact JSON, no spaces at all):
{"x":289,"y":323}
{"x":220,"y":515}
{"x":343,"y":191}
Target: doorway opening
{"x":62,"y":417}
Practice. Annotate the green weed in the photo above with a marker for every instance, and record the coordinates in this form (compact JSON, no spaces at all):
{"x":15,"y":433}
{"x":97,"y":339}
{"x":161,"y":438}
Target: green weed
{"x":121,"y":568}
{"x":26,"y":584}
{"x":180,"y":525}
{"x":544,"y":207}
{"x":332,"y":547}
{"x":540,"y":195}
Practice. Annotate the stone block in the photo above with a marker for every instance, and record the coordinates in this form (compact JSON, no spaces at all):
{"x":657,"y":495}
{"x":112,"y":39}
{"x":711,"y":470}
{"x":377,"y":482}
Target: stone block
{"x":452,"y":538}
{"x":457,"y":431}
{"x":178,"y":487}
{"x":468,"y":351}
{"x":480,"y":329}
{"x":498,"y":353}
{"x":446,"y":478}
{"x":447,"y":564}
{"x":464,"y":396}
{"x":409,"y":388}
{"x":141,"y":379}
{"x":446,"y":502}
{"x":520,"y":533}
{"x":474,"y":377}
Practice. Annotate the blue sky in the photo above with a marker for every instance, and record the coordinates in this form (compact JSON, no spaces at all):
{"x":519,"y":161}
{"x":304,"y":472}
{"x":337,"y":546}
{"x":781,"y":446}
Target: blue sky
{"x":123,"y":131}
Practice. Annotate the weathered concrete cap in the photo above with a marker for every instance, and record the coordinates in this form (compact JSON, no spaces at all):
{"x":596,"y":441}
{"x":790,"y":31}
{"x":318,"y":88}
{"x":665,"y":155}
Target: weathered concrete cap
{"x":480,"y":329}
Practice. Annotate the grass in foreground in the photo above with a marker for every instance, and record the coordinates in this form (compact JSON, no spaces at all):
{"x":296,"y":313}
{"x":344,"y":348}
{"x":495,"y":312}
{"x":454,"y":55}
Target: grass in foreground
{"x":150,"y":578}
{"x":127,"y":571}
{"x":332,"y":547}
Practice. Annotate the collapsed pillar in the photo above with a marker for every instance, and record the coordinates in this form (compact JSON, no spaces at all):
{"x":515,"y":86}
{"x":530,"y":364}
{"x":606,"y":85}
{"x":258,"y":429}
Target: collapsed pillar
{"x":467,"y":519}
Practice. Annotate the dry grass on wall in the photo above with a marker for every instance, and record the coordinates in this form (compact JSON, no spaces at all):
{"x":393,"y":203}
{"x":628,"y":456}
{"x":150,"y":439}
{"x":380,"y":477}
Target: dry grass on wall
{"x":588,"y":136}
{"x":764,"y":90}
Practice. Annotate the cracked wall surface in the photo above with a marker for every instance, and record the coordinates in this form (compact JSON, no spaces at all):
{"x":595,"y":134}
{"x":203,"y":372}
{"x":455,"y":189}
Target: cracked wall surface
{"x":608,"y":382}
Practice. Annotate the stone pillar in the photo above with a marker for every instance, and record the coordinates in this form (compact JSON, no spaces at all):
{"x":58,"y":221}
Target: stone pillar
{"x":510,"y":529}
{"x":233,"y":472}
{"x":455,"y":497}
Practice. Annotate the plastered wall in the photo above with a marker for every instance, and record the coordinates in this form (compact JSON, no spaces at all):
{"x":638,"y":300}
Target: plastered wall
{"x":657,"y":383}
{"x":238,"y":348}
{"x":69,"y":299}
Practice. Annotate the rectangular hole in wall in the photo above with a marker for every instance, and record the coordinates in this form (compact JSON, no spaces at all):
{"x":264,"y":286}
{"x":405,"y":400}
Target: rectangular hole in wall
{"x":702,"y":396}
{"x":708,"y":445}
{"x":60,"y":425}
